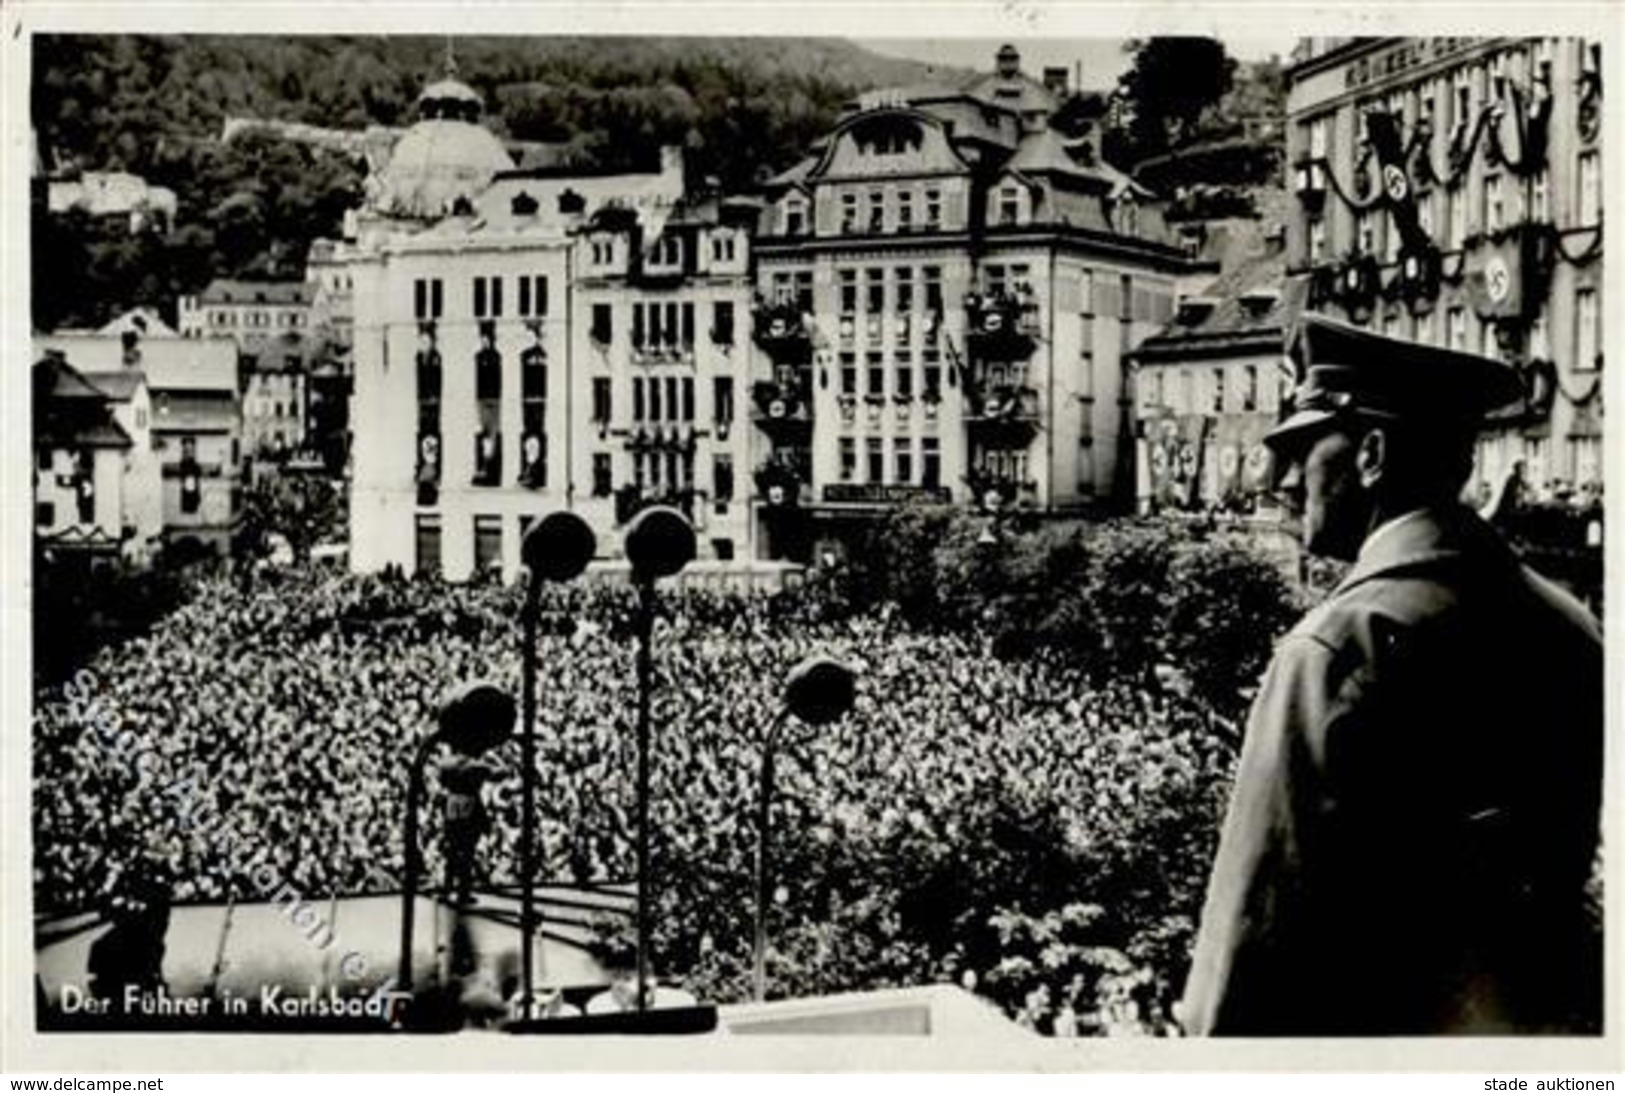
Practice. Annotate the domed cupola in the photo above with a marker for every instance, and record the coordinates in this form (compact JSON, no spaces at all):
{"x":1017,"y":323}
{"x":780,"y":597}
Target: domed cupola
{"x":446,"y":154}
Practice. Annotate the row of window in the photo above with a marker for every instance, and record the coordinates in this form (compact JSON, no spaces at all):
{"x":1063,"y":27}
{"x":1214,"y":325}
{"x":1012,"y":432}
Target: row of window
{"x":486,"y":297}
{"x":664,"y":472}
{"x":428,"y":552}
{"x":1573,"y":461}
{"x":908,"y":454}
{"x":663,"y":325}
{"x":1220,"y":389}
{"x":1470,"y":333}
{"x":1454,"y":99}
{"x":902,"y":372}
{"x":228,"y":317}
{"x":667,"y":252}
{"x":1500,"y":202}
{"x":877,"y":210}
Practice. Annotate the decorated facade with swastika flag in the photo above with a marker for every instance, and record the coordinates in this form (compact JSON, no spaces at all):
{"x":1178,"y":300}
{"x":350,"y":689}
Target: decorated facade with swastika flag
{"x":1450,"y":191}
{"x":1208,"y":386}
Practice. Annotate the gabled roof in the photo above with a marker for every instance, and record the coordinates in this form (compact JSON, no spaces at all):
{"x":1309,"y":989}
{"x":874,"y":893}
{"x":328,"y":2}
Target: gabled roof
{"x":203,"y":364}
{"x":225,"y":290}
{"x":1232,"y":321}
{"x":118,"y":386}
{"x":794,"y":175}
{"x":1020,"y":92}
{"x":70,"y":412}
{"x":1045,"y":153}
{"x":55,"y":378}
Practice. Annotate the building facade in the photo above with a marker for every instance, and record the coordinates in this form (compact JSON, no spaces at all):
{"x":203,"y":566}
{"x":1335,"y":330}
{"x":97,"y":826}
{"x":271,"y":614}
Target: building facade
{"x":1208,"y":386}
{"x":272,"y":323}
{"x":81,"y":499}
{"x":1449,"y":190}
{"x":948,"y":287}
{"x":186,"y":389}
{"x":529,"y":341}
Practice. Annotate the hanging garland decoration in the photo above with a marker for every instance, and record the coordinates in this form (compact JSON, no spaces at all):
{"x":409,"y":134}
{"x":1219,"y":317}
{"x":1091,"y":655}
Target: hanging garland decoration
{"x":1587,"y":255}
{"x":1540,"y":386}
{"x":1533,"y":122}
{"x":1460,"y":153}
{"x":1459,"y":156}
{"x":1363,"y":200}
{"x":1416,"y":153}
{"x":1554,"y":381}
{"x":1454,"y":276}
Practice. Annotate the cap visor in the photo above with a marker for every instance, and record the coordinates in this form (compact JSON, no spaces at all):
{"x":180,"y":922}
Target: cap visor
{"x":1296,"y":428}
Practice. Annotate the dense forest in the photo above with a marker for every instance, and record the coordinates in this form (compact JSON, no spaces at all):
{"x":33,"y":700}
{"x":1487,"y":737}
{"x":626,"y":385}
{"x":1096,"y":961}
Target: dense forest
{"x":155,"y":106}
{"x":743,"y":108}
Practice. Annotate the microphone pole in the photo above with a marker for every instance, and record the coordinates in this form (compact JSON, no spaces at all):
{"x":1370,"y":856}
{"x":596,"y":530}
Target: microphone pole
{"x":557,"y":548}
{"x":659,"y":543}
{"x":645,"y":626}
{"x":527,"y":801}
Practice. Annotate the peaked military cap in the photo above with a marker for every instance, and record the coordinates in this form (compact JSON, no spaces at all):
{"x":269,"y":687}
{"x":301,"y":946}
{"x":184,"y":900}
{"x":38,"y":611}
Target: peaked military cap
{"x":1341,"y":370}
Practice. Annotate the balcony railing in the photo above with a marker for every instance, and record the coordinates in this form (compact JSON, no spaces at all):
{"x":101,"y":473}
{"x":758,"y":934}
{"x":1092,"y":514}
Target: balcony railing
{"x":785,"y":407}
{"x":1001,"y":325}
{"x":781,"y":330}
{"x":1002,"y":415}
{"x":995,"y":491}
{"x":779,"y":484}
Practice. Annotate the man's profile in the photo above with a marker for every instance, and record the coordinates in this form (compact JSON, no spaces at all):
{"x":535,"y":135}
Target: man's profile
{"x":1416,"y":809}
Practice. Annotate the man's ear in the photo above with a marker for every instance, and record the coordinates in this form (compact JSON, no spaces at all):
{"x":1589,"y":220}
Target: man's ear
{"x":1371,"y":456}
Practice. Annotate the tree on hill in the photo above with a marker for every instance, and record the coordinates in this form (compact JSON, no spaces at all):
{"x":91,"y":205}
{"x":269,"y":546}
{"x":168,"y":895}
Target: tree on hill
{"x":155,"y":106}
{"x":1169,"y":86}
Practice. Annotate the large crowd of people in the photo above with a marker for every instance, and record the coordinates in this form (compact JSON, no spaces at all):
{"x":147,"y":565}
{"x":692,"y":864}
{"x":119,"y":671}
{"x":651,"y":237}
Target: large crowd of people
{"x":289,"y":710}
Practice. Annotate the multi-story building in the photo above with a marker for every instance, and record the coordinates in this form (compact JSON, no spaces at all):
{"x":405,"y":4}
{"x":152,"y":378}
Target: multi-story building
{"x":271,"y":322}
{"x":661,"y":299}
{"x":115,"y":194}
{"x":187,"y":389}
{"x":332,"y":333}
{"x":1450,"y":191}
{"x":949,"y":285}
{"x":532,"y":340}
{"x":1209,"y":385}
{"x":83,"y":502}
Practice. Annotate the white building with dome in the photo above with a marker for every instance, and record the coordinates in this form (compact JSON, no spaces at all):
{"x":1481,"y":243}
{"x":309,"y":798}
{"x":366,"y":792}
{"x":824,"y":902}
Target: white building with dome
{"x":445,"y":156}
{"x":533,"y":340}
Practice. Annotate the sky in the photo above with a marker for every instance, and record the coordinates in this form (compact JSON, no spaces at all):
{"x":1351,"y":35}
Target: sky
{"x":1103,"y":59}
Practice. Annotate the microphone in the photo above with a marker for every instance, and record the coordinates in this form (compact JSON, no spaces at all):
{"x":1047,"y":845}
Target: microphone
{"x":556,"y":548}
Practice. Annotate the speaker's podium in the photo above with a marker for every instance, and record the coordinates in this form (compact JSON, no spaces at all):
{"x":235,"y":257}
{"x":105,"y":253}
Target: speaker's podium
{"x":272,"y":966}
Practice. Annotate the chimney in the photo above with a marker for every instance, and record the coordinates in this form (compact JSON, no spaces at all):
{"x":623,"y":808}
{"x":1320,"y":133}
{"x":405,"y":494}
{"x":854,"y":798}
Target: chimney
{"x":1258,"y":301}
{"x":1055,"y":80}
{"x":1007,"y":62}
{"x":1194,"y":309}
{"x":671,"y":160}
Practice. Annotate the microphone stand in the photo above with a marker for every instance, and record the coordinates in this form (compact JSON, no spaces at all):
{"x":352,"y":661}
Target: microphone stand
{"x":527,"y":781}
{"x":645,"y":635}
{"x":764,"y":817}
{"x":414,"y":858}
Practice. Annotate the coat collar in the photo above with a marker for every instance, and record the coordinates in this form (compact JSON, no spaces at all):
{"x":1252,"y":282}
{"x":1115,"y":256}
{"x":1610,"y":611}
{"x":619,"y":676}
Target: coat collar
{"x":1419,"y":537}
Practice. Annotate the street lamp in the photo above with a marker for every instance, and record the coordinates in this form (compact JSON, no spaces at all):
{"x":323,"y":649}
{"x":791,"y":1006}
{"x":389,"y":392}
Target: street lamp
{"x":817,"y":691}
{"x":557,"y":548}
{"x":659,"y":543}
{"x":475,"y":718}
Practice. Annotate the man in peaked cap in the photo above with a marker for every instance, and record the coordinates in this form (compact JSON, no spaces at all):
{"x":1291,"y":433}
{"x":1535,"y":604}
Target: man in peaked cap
{"x":1416,"y":810}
